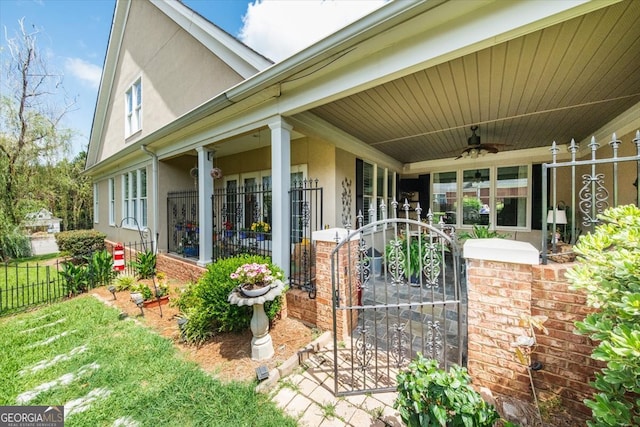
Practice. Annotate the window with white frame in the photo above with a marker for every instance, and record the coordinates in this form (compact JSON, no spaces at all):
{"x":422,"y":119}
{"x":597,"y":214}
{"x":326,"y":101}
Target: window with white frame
{"x":498,"y":196}
{"x":95,"y":203}
{"x":112,"y":202}
{"x":133,"y":108}
{"x":134,"y":198}
{"x":374,"y":184}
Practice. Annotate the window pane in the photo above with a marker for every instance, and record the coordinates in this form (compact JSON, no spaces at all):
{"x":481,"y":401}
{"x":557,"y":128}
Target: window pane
{"x":475,"y":197}
{"x":138,"y":89}
{"x":511,"y":196}
{"x":444,"y":197}
{"x":143,"y":183}
{"x":367,"y":191}
{"x":134,"y":186}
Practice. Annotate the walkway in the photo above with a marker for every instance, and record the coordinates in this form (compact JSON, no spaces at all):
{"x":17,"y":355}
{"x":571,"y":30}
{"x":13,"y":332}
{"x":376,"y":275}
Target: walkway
{"x":307,"y":395}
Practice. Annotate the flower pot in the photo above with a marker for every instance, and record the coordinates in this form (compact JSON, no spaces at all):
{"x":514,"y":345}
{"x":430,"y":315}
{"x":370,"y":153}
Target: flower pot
{"x":155,"y":302}
{"x":255,"y":292}
{"x":260,"y":237}
{"x":243,"y":234}
{"x":228,"y":233}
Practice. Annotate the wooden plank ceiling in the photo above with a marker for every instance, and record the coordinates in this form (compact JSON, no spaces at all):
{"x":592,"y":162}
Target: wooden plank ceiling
{"x":563,"y":82}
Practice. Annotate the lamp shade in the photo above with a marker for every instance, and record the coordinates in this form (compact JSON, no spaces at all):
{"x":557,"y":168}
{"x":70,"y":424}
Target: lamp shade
{"x":561,"y":216}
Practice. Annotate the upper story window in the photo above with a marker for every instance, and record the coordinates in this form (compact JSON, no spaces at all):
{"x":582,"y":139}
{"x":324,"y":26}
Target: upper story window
{"x":133,"y":108}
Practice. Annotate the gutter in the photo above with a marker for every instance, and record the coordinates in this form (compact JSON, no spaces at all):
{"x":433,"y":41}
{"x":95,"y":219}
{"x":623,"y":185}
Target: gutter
{"x":154,"y":193}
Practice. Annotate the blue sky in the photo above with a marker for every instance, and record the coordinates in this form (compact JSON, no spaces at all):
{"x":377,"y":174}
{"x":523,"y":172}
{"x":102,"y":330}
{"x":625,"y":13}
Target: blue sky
{"x":74,"y":36}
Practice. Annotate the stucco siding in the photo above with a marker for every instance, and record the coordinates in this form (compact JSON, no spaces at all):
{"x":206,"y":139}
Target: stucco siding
{"x":177,"y":74}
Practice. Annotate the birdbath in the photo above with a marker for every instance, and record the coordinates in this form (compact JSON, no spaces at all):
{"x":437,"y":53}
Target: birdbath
{"x":261,"y":344}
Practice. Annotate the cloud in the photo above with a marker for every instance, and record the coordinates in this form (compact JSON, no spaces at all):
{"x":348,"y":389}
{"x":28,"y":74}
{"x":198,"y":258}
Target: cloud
{"x":85,"y":71}
{"x":280,"y":28}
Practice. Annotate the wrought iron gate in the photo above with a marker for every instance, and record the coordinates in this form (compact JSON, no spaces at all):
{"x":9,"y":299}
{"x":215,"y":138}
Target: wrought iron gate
{"x":397,"y":282}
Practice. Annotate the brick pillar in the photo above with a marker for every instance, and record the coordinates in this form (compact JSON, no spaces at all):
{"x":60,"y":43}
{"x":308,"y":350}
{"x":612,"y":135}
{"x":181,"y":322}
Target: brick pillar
{"x":499,"y":277}
{"x":347,"y":293}
{"x":499,"y":293}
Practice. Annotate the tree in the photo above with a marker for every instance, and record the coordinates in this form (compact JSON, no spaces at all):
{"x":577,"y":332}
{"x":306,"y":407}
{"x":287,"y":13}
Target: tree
{"x":31,"y":137}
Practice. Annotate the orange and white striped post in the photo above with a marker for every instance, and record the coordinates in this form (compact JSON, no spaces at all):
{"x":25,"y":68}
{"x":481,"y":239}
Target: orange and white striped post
{"x":118,"y":257}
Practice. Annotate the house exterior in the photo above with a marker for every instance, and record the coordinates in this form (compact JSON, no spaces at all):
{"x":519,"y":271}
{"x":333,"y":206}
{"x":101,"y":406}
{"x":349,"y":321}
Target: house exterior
{"x":379,"y":110}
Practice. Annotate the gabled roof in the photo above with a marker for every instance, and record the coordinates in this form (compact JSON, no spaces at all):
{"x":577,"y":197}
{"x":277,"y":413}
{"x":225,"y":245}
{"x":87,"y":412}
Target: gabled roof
{"x":238,"y":56}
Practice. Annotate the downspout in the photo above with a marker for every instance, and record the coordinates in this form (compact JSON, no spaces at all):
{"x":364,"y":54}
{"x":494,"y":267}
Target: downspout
{"x":154,"y":193}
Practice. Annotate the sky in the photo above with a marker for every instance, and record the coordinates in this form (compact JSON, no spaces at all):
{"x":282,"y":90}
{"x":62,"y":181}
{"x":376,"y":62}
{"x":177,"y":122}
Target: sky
{"x":73,"y":36}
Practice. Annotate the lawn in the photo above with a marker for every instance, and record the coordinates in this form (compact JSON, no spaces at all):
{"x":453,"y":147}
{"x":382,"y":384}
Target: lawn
{"x":123,"y":372}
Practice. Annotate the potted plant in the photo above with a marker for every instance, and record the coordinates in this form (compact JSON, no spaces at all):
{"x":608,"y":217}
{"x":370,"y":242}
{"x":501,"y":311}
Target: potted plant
{"x":228,"y":228}
{"x":260,"y":228}
{"x":254,"y":279}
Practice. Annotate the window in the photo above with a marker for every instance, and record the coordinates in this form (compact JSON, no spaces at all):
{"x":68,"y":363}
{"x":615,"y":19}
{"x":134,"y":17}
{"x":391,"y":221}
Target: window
{"x":374,"y":185}
{"x":112,"y":202}
{"x":134,"y":198}
{"x":485,"y":196}
{"x":476,"y":197}
{"x":95,"y":203}
{"x":133,"y":108}
{"x":512,"y":190}
{"x":445,"y":197}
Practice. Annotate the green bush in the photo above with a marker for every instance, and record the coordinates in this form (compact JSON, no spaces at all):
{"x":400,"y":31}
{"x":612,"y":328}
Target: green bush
{"x":80,"y":244}
{"x":124,"y":282}
{"x":13,"y":243}
{"x":608,"y":269}
{"x":101,"y":268}
{"x":206,"y":304}
{"x":431,"y":397}
{"x":145,"y":264}
{"x":76,"y":278}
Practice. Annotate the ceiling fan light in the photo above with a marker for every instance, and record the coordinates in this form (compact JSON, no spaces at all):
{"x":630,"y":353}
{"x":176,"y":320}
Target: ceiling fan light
{"x":473,"y":153}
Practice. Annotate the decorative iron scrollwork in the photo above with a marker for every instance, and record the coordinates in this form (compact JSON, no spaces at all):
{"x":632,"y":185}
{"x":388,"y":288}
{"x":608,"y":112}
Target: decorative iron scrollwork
{"x":399,"y":345}
{"x":364,"y":348}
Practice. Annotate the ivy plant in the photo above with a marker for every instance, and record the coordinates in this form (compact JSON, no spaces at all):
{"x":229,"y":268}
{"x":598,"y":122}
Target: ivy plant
{"x":432,"y":397}
{"x":608,"y":269}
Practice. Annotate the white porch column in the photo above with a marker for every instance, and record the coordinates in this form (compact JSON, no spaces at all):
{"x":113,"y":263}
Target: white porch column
{"x":280,"y":181}
{"x":205,"y":211}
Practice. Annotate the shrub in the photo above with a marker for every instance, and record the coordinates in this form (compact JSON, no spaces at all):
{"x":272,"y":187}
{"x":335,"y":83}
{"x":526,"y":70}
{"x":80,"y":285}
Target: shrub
{"x":206,"y":304}
{"x":76,"y":278}
{"x":608,"y":269}
{"x":80,"y":244}
{"x":101,"y":268}
{"x":143,"y":290}
{"x":124,"y":282}
{"x":431,"y":397}
{"x":13,"y":243}
{"x":145,"y":264}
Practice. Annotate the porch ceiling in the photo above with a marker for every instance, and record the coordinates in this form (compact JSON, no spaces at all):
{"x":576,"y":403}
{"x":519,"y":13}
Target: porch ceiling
{"x":563,"y":82}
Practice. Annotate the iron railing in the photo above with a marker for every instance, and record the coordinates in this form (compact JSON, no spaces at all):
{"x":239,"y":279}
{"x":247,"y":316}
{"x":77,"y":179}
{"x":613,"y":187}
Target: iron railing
{"x":241,"y":221}
{"x":182,"y":223}
{"x":23,"y":286}
{"x":27,"y":285}
{"x":590,"y":197}
{"x":305,"y":207}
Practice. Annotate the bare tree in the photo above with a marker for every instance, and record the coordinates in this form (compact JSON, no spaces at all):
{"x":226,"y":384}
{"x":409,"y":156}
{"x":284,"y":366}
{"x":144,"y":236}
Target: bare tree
{"x":31,"y":110}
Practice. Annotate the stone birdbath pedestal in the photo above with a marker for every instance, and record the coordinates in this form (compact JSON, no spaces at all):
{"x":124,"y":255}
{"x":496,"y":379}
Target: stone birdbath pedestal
{"x":261,"y":344}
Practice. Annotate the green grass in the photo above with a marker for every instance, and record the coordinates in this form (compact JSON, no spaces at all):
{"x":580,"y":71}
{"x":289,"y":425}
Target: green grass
{"x":149,"y":381}
{"x":25,"y":283}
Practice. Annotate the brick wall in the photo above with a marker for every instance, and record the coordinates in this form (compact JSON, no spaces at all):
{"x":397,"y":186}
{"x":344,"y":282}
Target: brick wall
{"x":499,"y":292}
{"x":565,"y":355}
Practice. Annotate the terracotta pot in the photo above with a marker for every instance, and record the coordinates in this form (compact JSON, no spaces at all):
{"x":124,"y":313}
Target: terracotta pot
{"x":155,"y":302}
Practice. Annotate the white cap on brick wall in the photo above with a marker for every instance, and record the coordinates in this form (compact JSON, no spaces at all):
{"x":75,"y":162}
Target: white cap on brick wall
{"x":502,"y":250}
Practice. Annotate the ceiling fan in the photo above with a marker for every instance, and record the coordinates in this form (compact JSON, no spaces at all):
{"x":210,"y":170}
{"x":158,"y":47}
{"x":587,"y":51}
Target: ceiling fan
{"x":476,"y":148}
